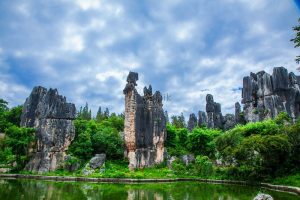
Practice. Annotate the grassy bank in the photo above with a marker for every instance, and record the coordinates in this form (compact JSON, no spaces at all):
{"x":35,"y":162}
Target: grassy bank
{"x":291,"y":180}
{"x":119,"y":169}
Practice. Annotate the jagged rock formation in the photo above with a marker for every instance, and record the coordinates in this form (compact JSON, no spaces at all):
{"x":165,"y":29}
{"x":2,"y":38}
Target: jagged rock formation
{"x":214,"y":114}
{"x":192,"y":123}
{"x":52,"y":117}
{"x":202,"y":119}
{"x":264,"y":96}
{"x":145,"y":125}
{"x":237,"y":113}
{"x":167,"y":117}
{"x":229,"y":121}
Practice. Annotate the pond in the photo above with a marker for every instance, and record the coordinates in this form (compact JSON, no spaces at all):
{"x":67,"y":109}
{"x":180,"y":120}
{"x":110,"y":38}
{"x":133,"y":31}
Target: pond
{"x":31,"y":189}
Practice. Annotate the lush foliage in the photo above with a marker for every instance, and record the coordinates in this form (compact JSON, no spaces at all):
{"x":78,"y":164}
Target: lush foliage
{"x":178,"y":121}
{"x":18,"y":141}
{"x":200,"y":141}
{"x":296,"y":40}
{"x":254,"y":151}
{"x":14,"y":147}
{"x":261,"y":150}
{"x":94,"y":137}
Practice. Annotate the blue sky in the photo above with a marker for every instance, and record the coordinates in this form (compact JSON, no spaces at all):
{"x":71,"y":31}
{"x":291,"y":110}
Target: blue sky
{"x":185,"y":49}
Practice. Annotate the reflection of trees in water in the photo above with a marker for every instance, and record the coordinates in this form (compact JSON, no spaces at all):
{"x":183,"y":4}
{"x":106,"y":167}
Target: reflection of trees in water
{"x":31,"y":190}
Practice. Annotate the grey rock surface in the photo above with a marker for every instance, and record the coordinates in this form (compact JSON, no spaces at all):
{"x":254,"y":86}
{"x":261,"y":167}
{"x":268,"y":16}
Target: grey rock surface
{"x":145,"y":125}
{"x":69,"y":165}
{"x":264,"y":96}
{"x":262,"y":196}
{"x":214,"y":113}
{"x":188,"y":159}
{"x":192,"y":123}
{"x":52,"y":117}
{"x":170,"y":161}
{"x":202,"y":119}
{"x":238,"y":113}
{"x":97,"y":161}
{"x":229,"y":121}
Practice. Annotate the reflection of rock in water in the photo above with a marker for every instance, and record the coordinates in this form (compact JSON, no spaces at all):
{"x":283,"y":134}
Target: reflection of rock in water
{"x":145,"y":194}
{"x":31,"y":190}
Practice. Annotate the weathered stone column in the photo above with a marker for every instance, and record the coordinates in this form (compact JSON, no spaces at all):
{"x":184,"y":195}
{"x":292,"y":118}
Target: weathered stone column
{"x":145,"y":125}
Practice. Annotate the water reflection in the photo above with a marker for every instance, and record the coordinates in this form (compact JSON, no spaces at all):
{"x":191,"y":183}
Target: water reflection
{"x":31,"y":190}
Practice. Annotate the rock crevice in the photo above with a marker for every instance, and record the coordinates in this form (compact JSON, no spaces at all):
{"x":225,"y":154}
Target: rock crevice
{"x":145,"y":125}
{"x":52,"y":117}
{"x":264,"y":96}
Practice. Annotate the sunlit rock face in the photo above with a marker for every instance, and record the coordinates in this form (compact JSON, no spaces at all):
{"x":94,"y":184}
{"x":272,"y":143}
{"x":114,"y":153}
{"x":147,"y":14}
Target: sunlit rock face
{"x":264,"y":96}
{"x":145,"y":125}
{"x":52,"y":117}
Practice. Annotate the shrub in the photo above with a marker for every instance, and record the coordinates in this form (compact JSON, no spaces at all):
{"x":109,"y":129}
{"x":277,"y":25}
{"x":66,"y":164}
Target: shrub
{"x":201,"y":141}
{"x":203,"y":166}
{"x":18,"y":140}
{"x":108,"y":140}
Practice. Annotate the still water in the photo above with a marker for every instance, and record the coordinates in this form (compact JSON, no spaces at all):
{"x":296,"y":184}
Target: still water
{"x":11,"y":189}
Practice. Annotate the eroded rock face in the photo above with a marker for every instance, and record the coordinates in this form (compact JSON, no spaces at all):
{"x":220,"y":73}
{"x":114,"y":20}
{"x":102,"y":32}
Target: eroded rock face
{"x":214,"y":114}
{"x":52,"y":117}
{"x":229,"y":121}
{"x":97,"y":161}
{"x":237,"y":114}
{"x":202,"y":119}
{"x":262,"y":196}
{"x":192,"y":123}
{"x":145,"y":125}
{"x":264,"y":96}
{"x":188,"y":159}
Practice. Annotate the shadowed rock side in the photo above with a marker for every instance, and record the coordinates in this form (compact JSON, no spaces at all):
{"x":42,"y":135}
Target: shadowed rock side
{"x":264,"y":96}
{"x":202,"y":119}
{"x":192,"y":123}
{"x":145,"y":125}
{"x":214,"y":114}
{"x":51,"y":116}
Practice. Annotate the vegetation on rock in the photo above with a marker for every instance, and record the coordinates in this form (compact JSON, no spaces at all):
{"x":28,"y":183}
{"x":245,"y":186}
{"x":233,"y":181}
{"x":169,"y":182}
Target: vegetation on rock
{"x":261,"y":151}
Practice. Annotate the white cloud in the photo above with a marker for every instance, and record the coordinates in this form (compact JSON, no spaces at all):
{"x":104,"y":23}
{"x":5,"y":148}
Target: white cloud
{"x":184,"y":31}
{"x":73,"y":43}
{"x":88,"y":4}
{"x":185,"y":49}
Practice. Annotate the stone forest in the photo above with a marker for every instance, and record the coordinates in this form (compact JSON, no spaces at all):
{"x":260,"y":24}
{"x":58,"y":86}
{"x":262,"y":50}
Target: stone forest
{"x":259,"y":143}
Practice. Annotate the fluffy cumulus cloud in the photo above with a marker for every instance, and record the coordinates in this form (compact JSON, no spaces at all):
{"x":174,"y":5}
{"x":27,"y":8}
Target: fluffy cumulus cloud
{"x":185,"y":49}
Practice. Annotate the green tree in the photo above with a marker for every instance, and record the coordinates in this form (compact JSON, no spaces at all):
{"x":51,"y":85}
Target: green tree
{"x":82,"y":146}
{"x":201,"y":141}
{"x":85,"y":113}
{"x":99,"y":116}
{"x":3,"y":110}
{"x":296,"y":40}
{"x":3,"y":105}
{"x":178,"y":121}
{"x":106,"y":113}
{"x":19,"y":140}
{"x":14,"y":115}
{"x":107,"y":140}
{"x":171,"y":136}
{"x":264,"y":154}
